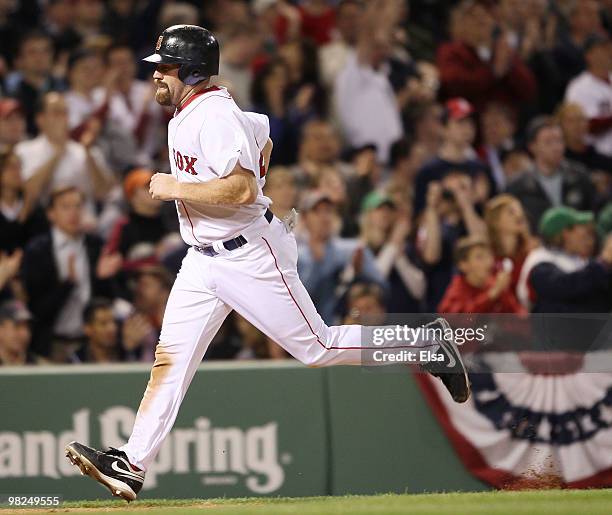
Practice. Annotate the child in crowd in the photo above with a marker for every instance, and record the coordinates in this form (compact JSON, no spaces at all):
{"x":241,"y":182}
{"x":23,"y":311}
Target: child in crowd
{"x":476,"y":288}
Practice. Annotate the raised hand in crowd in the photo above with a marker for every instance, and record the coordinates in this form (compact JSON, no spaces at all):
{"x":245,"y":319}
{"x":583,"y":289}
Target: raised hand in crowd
{"x":9,"y":266}
{"x":135,"y":329}
{"x":108,"y":265}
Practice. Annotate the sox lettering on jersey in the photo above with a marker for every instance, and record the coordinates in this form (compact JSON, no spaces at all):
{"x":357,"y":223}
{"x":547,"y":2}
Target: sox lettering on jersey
{"x":184,"y":162}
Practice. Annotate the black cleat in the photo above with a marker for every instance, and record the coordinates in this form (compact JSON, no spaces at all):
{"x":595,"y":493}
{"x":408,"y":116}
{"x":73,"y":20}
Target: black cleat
{"x":452,"y":371}
{"x":110,"y":468}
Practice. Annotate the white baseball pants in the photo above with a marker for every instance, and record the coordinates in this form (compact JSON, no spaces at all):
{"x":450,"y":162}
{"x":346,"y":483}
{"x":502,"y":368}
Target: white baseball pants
{"x":260,"y":281}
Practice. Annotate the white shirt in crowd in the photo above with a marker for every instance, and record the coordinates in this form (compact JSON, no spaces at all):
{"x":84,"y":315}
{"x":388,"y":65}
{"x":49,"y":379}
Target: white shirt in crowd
{"x":205,"y":141}
{"x":124,"y":111}
{"x":367,"y":107}
{"x":71,"y":170}
{"x":595,"y":97}
{"x":69,"y":322}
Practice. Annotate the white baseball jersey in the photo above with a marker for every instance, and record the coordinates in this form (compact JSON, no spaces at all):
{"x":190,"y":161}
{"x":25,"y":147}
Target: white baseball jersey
{"x":207,"y":137}
{"x":595,"y":97}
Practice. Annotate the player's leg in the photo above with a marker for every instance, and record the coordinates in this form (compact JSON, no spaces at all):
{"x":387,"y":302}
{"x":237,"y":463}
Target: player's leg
{"x":193,"y":316}
{"x":277,"y":303}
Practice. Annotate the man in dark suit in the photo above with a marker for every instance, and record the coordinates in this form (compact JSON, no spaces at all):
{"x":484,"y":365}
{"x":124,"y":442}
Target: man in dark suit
{"x":62,"y":270}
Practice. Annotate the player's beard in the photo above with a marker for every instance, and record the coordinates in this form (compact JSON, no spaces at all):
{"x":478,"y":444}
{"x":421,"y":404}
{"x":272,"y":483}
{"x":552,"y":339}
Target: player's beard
{"x":162,"y":94}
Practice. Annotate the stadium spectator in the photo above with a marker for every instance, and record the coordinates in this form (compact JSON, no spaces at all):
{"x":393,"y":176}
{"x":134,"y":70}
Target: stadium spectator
{"x":333,"y":185}
{"x":327,"y":264}
{"x":423,"y":122}
{"x":477,"y":288}
{"x":88,"y":16}
{"x":85,"y":72}
{"x":319,"y":150}
{"x":58,"y":22}
{"x":17,"y":225}
{"x":479,"y":64}
{"x":406,"y":159}
{"x":241,"y":46}
{"x":553,"y":180}
{"x":593,"y":92}
{"x":363,"y":90}
{"x":33,"y":77}
{"x":385,"y":229}
{"x":254,"y":344}
{"x":575,"y":125}
{"x":498,"y":127}
{"x":317,"y":20}
{"x":102,"y":343}
{"x":508,"y":233}
{"x":144,"y":225}
{"x":456,"y":153}
{"x":270,"y":96}
{"x":15,"y":335}
{"x":527,"y":25}
{"x":282,"y":190}
{"x":562,"y":277}
{"x":62,"y":270}
{"x":449,"y":214}
{"x":584,"y":22}
{"x":151,"y":288}
{"x":333,"y":55}
{"x":12,"y":123}
{"x":305,"y":91}
{"x":365,"y":305}
{"x":51,"y":160}
{"x":132,"y":110}
{"x":280,"y":21}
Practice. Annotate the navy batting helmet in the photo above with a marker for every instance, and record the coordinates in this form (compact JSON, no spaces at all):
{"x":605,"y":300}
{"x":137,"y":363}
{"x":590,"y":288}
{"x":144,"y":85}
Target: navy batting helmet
{"x":194,"y":48}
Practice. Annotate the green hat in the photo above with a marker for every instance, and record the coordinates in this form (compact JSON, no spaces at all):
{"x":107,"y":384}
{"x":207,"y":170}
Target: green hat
{"x":604,"y":221}
{"x":374,"y":200}
{"x":555,"y":219}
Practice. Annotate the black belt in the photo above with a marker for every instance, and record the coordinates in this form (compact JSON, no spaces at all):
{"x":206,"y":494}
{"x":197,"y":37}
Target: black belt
{"x":234,"y":243}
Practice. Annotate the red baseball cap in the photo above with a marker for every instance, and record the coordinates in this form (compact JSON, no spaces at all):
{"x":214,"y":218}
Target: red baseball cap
{"x":8,"y":106}
{"x":458,"y":108}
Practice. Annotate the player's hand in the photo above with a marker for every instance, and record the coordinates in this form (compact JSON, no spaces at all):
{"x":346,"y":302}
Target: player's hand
{"x":164,"y":186}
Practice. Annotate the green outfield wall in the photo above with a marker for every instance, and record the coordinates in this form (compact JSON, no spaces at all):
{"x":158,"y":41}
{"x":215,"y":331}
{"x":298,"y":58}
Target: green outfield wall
{"x":244,"y":429}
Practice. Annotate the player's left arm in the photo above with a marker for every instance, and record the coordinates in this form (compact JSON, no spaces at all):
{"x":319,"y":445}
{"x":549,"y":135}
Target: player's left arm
{"x":237,"y":188}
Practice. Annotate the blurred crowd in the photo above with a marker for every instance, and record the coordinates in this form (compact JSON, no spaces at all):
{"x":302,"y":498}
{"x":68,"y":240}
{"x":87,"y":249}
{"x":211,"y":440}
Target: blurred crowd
{"x":451,"y":157}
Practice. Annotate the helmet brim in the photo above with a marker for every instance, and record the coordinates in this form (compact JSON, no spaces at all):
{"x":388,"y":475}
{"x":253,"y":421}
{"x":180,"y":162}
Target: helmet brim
{"x":153,"y":58}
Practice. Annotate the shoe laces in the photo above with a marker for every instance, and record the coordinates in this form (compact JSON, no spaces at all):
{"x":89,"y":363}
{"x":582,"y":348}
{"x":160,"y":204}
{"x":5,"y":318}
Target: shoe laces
{"x":115,"y":452}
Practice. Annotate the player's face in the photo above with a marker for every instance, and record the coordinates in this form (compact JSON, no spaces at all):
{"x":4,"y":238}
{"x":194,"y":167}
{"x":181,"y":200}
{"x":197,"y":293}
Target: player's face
{"x":169,"y":87}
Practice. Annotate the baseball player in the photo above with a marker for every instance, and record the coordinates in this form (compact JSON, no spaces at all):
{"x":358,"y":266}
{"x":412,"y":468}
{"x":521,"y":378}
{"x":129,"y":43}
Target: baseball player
{"x":241,"y":256}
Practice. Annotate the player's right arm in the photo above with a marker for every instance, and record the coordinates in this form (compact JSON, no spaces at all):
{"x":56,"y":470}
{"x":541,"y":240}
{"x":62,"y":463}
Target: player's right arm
{"x":237,"y":188}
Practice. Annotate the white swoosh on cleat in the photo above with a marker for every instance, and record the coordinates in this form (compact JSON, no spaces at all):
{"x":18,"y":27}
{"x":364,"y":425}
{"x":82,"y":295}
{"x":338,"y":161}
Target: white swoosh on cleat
{"x":126,"y":473}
